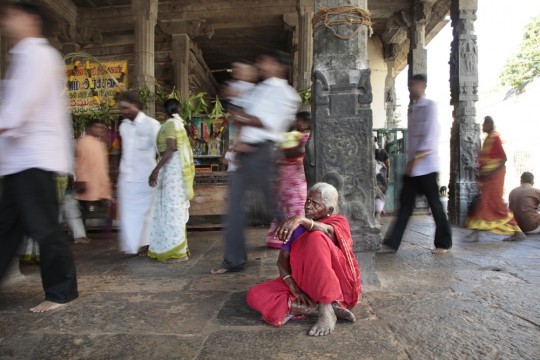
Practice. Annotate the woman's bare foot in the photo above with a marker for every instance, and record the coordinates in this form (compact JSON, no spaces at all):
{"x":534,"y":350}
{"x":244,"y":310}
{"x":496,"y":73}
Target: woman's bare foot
{"x":82,"y":240}
{"x":143,"y":251}
{"x":326,"y":323}
{"x":175,"y":260}
{"x":343,"y":313}
{"x":46,"y":306}
{"x":518,"y":236}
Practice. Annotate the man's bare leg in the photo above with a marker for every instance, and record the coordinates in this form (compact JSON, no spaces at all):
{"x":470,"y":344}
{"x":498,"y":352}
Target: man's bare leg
{"x":46,"y":306}
{"x":326,"y":323}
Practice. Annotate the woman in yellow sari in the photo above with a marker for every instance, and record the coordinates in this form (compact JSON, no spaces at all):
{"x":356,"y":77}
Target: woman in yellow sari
{"x":490,"y":213}
{"x":173,"y":176}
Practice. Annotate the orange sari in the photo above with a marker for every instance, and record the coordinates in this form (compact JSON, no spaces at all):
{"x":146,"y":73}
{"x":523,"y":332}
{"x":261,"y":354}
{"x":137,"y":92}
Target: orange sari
{"x":490,"y":213}
{"x":324,"y":271}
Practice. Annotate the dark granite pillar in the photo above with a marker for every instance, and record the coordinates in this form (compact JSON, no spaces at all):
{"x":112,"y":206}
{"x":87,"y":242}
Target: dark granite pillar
{"x":465,"y":138}
{"x":342,"y":119}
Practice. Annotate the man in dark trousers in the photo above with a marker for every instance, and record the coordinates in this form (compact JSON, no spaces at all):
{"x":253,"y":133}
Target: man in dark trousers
{"x":270,"y":112}
{"x":35,"y":146}
{"x":421,"y":171}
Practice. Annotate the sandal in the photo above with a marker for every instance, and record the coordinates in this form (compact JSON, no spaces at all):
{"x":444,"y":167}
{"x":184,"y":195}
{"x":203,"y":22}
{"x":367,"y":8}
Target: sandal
{"x":439,"y":251}
{"x":222,"y":270}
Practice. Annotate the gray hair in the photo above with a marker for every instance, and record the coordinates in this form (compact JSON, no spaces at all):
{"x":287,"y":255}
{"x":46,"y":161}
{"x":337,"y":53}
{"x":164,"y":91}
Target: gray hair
{"x":329,"y":194}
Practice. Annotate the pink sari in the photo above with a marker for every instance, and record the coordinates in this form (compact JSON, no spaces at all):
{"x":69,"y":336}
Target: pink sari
{"x":291,"y":192}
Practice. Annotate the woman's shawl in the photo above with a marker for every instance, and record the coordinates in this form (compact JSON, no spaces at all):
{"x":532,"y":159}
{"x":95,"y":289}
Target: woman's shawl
{"x":185,"y":153}
{"x":342,"y":233}
{"x":492,"y":154}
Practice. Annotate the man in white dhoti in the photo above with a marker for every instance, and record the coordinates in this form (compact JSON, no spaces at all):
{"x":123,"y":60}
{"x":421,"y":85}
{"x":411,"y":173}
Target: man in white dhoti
{"x":138,"y":133}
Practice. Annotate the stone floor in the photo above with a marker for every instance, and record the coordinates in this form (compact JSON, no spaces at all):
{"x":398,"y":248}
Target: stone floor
{"x":479,"y":302}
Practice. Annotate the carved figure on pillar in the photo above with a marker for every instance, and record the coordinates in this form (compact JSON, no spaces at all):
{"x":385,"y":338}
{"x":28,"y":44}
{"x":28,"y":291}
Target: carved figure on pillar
{"x":342,"y":117}
{"x":465,"y":137}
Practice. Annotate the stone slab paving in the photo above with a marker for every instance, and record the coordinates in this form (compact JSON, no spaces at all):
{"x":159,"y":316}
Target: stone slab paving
{"x":478,"y":302}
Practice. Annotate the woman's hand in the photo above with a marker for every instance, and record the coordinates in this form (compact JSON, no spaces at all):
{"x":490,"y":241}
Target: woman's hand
{"x":301,"y":297}
{"x":152,"y":180}
{"x":286,"y":228}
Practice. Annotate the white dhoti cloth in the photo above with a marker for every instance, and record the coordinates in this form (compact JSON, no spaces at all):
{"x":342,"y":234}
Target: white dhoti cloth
{"x":135,"y":204}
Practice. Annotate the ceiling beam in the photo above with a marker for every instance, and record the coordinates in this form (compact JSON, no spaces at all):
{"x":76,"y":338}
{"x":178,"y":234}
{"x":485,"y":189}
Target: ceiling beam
{"x":62,"y":10}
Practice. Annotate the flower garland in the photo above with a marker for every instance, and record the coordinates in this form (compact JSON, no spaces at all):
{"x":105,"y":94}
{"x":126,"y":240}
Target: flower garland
{"x":91,"y":82}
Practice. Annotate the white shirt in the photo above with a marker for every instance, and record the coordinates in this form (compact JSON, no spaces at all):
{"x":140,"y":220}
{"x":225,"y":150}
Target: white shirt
{"x":138,"y":148}
{"x":243,"y":90}
{"x":423,"y":135}
{"x":275,"y":103}
{"x":34,"y":111}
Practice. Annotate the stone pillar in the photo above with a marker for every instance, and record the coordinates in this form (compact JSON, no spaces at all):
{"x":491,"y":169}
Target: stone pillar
{"x":390,"y":52}
{"x":465,"y":138}
{"x":418,"y":53}
{"x":145,"y":17}
{"x":343,"y":121}
{"x":305,"y":43}
{"x":180,"y":59}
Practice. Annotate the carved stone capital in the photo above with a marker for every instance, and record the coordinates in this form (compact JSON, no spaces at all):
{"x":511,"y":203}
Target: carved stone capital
{"x":397,"y":28}
{"x":305,"y":7}
{"x":146,"y":8}
{"x":193,"y":28}
{"x":421,"y":11}
{"x":291,"y":21}
{"x":391,"y":51}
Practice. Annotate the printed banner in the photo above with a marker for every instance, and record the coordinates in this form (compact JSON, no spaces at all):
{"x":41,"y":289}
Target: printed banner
{"x":90,"y":85}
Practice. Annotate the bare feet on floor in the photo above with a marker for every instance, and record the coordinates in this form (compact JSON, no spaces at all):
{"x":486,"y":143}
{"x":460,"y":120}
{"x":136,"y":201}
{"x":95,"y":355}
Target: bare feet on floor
{"x":385,"y":249}
{"x":143,"y":251}
{"x":82,"y":240}
{"x":46,"y":306}
{"x":343,"y":313}
{"x":174,"y":261}
{"x":518,"y":236}
{"x":439,"y":251}
{"x":326,"y":323}
{"x":474,"y":236}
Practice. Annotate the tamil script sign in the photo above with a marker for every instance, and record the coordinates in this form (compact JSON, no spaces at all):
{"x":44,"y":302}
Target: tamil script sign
{"x":91,"y":85}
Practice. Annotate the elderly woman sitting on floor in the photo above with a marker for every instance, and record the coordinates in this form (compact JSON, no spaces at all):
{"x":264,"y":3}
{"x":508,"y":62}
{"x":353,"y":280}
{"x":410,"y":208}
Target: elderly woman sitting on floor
{"x":317,"y":267}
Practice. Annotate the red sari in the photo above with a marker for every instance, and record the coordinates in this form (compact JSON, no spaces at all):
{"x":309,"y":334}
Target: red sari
{"x":490,"y":213}
{"x":324,"y":271}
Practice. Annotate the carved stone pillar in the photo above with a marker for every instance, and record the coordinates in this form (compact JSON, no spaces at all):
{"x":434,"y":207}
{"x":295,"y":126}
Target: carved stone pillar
{"x":390,"y":52}
{"x":183,"y":52}
{"x":418,"y":53}
{"x":343,"y":121}
{"x":145,"y":17}
{"x":305,"y":44}
{"x":291,"y":25}
{"x":465,"y":138}
{"x":180,"y":58}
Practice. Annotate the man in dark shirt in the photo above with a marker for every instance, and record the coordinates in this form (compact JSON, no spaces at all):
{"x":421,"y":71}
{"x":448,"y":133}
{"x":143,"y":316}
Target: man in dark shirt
{"x":524,"y":201}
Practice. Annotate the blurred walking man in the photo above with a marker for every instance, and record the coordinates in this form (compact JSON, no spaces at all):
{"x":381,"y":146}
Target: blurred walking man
{"x":270,"y":112}
{"x":35,"y":138}
{"x":422,"y":170}
{"x":92,"y":186}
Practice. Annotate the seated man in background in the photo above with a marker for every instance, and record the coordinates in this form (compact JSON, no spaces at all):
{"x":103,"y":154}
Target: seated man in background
{"x":524,"y":201}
